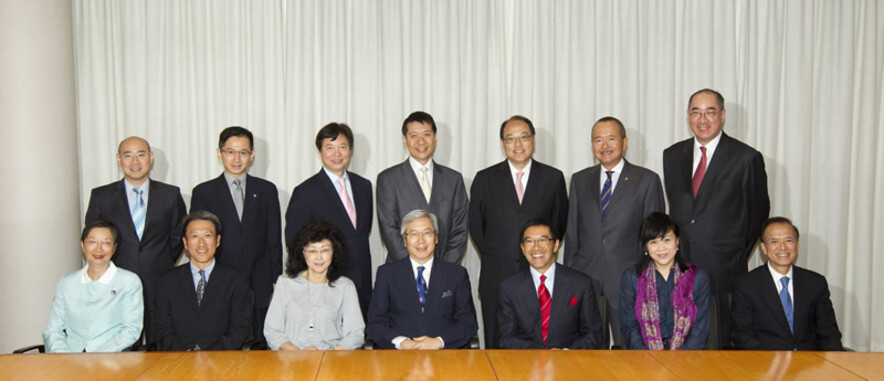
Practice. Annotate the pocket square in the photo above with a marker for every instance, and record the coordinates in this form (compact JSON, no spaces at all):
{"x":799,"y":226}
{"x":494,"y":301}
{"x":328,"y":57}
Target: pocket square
{"x":447,"y":293}
{"x":573,"y":301}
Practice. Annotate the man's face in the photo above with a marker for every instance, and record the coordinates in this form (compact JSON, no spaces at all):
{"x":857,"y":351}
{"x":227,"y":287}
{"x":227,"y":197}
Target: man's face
{"x":201,"y":240}
{"x":705,"y":117}
{"x":420,"y":239}
{"x":420,"y":140}
{"x":539,"y":248}
{"x":780,"y":245}
{"x":99,"y":247}
{"x":135,"y":159}
{"x":608,"y":144}
{"x":518,"y":143}
{"x":236,"y":155}
{"x":336,"y":154}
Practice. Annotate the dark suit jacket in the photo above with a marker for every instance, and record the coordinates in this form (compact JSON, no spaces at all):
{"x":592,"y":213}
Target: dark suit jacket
{"x":252,"y":246}
{"x":317,"y":199}
{"x":721,"y":226}
{"x":399,"y":193}
{"x":604,"y":248}
{"x":161,"y":243}
{"x":760,"y":323}
{"x":220,"y":322}
{"x":395,"y":310}
{"x":496,"y":220}
{"x":574,"y":320}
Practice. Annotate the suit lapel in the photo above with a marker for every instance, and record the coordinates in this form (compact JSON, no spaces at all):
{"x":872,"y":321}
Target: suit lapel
{"x":122,"y":205}
{"x":532,"y":303}
{"x":502,"y":175}
{"x":800,"y":306}
{"x":434,"y":292}
{"x":435,"y":187}
{"x":716,"y":165}
{"x":328,"y":188}
{"x":153,"y":206}
{"x":409,"y":287}
{"x":410,"y":180}
{"x":559,"y":301}
{"x":186,"y":284}
{"x":772,"y":298}
{"x":687,"y":164}
{"x":624,"y":186}
{"x":222,"y":190}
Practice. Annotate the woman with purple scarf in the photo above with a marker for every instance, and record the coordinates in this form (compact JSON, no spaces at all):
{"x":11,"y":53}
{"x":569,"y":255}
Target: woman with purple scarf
{"x":664,"y":301}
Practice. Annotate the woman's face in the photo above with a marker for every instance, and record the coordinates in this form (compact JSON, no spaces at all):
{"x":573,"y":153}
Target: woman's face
{"x":662,"y":250}
{"x":318,"y":256}
{"x":98,"y":247}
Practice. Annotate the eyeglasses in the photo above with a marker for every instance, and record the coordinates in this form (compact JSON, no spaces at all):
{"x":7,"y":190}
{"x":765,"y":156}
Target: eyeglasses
{"x":129,"y":155}
{"x":314,"y":252}
{"x":709,"y":114}
{"x":91,"y":243}
{"x":240,"y":153}
{"x":542,"y":241}
{"x":513,"y":139}
{"x":414,"y":234}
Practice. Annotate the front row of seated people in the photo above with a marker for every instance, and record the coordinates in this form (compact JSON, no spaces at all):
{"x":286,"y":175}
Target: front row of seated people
{"x":421,"y":303}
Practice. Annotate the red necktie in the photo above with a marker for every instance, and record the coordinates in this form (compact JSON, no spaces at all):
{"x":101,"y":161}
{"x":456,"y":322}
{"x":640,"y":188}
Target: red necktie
{"x":701,"y":171}
{"x":545,"y":303}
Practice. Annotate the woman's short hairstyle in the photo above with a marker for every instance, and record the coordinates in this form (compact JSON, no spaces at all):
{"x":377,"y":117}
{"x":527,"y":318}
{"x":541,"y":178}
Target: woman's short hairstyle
{"x":656,"y":225}
{"x":99,"y":224}
{"x":315,"y":232}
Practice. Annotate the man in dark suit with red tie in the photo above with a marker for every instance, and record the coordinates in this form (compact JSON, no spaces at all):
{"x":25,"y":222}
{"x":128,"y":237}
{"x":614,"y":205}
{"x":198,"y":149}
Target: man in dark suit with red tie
{"x":717,"y":190}
{"x":202,"y":305}
{"x":341,"y":198}
{"x":421,"y":302}
{"x":548,"y":305}
{"x":504,"y":197}
{"x":780,"y":306}
{"x":248,"y":208}
{"x":148,"y":215}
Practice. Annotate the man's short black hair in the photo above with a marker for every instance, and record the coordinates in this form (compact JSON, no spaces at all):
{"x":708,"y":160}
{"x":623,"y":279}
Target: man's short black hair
{"x":235,"y":131}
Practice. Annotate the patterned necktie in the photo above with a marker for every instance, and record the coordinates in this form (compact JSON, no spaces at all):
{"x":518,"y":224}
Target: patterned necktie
{"x":238,"y":197}
{"x":421,"y":287}
{"x":139,"y":213}
{"x":426,"y":187}
{"x":545,"y":304}
{"x":345,"y":199}
{"x":520,"y":190}
{"x":787,"y":303}
{"x":606,"y":194}
{"x":201,"y":287}
{"x":701,"y":171}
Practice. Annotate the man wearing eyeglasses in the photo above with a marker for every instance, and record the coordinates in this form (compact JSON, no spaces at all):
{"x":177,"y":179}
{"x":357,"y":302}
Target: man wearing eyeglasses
{"x":609,"y":201}
{"x":717,"y":190}
{"x":148,"y":214}
{"x":504,"y":197}
{"x":548,"y":305}
{"x":248,"y":208}
{"x":419,"y":302}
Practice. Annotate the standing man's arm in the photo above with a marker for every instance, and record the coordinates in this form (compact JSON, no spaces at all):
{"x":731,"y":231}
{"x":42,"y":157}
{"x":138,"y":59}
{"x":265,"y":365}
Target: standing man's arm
{"x":477,"y":212}
{"x":274,"y":233}
{"x":757,"y":200}
{"x":298,"y":214}
{"x":573,"y":258}
{"x":654,"y":197}
{"x":389,"y":219}
{"x":93,"y":211}
{"x":179,"y":210}
{"x":458,"y":236}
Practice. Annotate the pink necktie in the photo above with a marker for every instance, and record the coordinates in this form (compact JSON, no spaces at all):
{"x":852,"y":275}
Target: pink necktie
{"x":701,"y":171}
{"x":520,"y":190}
{"x":345,"y":198}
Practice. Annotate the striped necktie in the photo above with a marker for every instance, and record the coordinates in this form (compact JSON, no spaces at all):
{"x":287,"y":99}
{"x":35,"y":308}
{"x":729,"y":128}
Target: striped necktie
{"x":545,"y":304}
{"x":606,"y":194}
{"x":139,"y":213}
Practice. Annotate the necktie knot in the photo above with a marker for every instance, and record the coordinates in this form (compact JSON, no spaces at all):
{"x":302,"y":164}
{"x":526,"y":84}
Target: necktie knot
{"x":542,"y":279}
{"x":137,"y":191}
{"x":784,"y":281}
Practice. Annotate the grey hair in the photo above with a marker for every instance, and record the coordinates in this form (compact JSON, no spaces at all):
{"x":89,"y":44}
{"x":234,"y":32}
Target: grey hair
{"x":415,"y":214}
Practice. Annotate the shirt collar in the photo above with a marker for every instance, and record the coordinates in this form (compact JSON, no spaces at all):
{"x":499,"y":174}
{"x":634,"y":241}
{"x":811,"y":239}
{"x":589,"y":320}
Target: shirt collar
{"x":525,"y":170}
{"x":104,"y":279}
{"x":194,"y":270}
{"x":711,"y":146}
{"x":333,"y":177}
{"x":416,"y":166}
{"x":230,"y":179}
{"x":776,"y":275}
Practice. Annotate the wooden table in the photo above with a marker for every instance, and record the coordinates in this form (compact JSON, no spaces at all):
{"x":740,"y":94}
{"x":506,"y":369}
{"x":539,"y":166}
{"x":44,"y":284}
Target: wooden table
{"x":445,"y":365}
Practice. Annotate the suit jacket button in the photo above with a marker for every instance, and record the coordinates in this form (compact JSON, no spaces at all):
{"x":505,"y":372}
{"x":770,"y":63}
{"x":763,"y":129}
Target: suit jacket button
{"x":692,"y":222}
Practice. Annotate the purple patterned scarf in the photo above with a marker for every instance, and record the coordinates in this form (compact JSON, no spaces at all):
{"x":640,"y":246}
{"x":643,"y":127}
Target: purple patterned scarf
{"x":647,"y":310}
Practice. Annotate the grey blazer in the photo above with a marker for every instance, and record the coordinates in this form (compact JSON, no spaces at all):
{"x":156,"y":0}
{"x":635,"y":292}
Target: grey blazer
{"x":398,"y":192}
{"x":604,"y":248}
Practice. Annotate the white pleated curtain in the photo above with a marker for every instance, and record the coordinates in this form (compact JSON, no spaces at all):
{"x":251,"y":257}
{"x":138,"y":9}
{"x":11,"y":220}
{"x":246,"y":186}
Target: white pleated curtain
{"x":803,"y":84}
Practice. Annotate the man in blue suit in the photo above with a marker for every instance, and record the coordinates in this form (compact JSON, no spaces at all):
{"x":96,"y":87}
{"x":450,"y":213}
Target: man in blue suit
{"x":548,"y":305}
{"x":248,"y":208}
{"x":419,"y":302}
{"x":341,"y":198}
{"x":148,"y":214}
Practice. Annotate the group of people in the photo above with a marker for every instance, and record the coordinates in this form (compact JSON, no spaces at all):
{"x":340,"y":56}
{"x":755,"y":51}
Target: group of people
{"x":664,"y":281}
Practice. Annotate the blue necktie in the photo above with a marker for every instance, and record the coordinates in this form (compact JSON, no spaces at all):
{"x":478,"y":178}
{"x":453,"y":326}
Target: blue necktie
{"x":421,"y":287}
{"x":138,"y":213}
{"x":606,"y":194}
{"x":787,"y":303}
{"x":201,"y":287}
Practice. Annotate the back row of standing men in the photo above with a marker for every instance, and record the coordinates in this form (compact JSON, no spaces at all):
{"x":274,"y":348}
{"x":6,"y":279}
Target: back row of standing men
{"x":716,"y":185}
